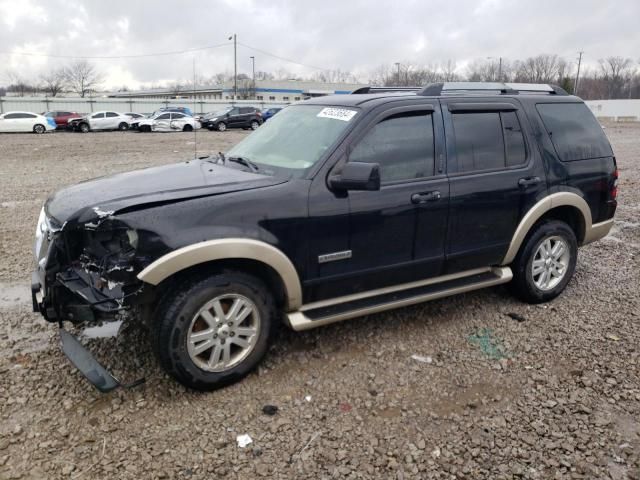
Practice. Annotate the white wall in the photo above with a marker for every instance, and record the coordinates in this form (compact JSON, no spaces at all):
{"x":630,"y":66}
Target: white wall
{"x":88,"y":105}
{"x":619,"y":110}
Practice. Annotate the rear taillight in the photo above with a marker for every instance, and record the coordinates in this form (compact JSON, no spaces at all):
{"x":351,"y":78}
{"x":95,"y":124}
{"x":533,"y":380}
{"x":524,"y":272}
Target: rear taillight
{"x":614,"y":187}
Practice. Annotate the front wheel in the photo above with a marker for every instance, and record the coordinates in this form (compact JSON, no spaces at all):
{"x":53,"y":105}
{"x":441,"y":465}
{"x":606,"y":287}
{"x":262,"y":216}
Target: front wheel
{"x":84,"y":127}
{"x":222,"y":127}
{"x":212,"y":332}
{"x":123,"y":126}
{"x":254,"y":125}
{"x":187,"y":128}
{"x":39,"y":129}
{"x":546,"y":262}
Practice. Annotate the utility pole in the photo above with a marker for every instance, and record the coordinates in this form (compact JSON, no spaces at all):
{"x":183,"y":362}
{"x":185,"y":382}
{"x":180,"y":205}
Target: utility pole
{"x":235,"y":68}
{"x":253,"y":70}
{"x":500,"y":69}
{"x":575,"y":87}
{"x":398,"y":65}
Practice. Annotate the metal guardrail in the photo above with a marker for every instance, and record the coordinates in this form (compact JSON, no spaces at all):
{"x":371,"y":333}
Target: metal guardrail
{"x":94,"y":104}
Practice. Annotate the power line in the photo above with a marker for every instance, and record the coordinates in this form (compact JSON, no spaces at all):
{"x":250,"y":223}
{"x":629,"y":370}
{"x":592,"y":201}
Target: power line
{"x":109,"y":57}
{"x":281,"y":58}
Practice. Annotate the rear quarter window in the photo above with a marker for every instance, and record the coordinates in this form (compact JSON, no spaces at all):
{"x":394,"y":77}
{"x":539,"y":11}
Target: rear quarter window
{"x":574,"y":131}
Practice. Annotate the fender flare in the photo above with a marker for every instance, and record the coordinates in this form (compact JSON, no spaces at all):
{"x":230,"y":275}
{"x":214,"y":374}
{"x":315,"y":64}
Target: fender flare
{"x":225,"y":249}
{"x":559,"y":199}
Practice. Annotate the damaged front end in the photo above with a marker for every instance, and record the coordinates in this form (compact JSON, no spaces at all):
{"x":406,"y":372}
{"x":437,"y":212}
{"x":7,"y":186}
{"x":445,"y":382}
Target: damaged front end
{"x":86,"y":268}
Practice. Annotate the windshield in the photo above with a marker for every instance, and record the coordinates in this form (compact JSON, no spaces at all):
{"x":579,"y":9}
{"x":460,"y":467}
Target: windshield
{"x":296,"y":138}
{"x":219,"y":113}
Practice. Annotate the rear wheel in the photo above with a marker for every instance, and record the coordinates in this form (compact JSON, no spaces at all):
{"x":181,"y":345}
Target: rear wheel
{"x":546,"y":262}
{"x":213,"y":331}
{"x":39,"y":129}
{"x":221,"y":127}
{"x":123,"y":126}
{"x":187,"y":128}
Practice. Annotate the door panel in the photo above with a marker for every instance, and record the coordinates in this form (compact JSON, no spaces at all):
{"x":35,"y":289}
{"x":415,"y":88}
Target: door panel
{"x":385,"y":237}
{"x":495,"y":177}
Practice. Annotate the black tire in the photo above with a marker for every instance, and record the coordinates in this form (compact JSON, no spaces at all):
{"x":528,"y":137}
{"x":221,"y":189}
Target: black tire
{"x":84,"y":127}
{"x":39,"y":129}
{"x":187,"y":128}
{"x":177,"y":310}
{"x":123,"y":127}
{"x":254,"y":125}
{"x":221,"y":127}
{"x":523,"y":284}
{"x":145,"y":128}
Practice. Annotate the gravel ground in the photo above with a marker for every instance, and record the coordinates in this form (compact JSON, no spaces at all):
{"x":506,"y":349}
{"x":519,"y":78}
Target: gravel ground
{"x":552,"y":393}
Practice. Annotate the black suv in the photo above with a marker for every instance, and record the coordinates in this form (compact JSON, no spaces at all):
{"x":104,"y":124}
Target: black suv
{"x":233,"y":117}
{"x":338,"y":207}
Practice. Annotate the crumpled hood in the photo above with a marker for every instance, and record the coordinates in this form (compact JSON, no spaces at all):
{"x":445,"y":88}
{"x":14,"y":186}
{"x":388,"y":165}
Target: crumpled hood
{"x":92,"y":199}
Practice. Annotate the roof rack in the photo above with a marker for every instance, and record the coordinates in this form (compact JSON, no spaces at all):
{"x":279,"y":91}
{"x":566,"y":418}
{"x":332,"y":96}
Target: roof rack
{"x":465,"y":88}
{"x":363,"y":90}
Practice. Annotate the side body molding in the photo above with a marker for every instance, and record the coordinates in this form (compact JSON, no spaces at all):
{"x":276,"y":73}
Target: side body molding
{"x":224,"y":249}
{"x":554,"y":200}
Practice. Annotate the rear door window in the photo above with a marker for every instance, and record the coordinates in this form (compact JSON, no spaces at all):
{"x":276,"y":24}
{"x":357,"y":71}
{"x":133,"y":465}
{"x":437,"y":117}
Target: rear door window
{"x":574,"y":131}
{"x":111,"y":114}
{"x":488,"y":141}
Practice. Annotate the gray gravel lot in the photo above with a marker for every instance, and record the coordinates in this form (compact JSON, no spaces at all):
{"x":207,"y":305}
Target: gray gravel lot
{"x":552,"y":394}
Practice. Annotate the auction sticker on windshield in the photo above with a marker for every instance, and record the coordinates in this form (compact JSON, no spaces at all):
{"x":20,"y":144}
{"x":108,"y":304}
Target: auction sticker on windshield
{"x":337,"y":114}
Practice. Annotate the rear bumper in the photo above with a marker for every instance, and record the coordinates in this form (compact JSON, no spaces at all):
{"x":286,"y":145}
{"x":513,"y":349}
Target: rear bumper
{"x":598,"y":231}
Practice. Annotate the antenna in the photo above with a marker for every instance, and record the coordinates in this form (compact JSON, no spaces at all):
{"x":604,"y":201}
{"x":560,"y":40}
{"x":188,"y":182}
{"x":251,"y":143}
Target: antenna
{"x":195,"y":135}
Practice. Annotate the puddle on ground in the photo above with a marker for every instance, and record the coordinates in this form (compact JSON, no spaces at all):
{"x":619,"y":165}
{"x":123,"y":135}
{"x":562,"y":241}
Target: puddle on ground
{"x":14,"y":294}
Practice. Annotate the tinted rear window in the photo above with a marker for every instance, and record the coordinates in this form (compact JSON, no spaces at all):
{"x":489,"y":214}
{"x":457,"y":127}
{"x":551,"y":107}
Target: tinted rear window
{"x":574,"y":131}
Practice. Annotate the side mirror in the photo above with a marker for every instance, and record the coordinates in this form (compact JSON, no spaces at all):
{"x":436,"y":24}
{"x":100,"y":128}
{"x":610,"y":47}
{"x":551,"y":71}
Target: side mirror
{"x":357,"y":176}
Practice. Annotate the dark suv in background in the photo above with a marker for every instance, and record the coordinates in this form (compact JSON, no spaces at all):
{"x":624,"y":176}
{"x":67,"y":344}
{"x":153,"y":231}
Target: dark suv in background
{"x":233,"y":117}
{"x":338,"y":207}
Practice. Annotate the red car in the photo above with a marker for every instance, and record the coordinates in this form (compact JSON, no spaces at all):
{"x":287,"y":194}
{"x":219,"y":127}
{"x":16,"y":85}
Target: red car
{"x":62,"y":117}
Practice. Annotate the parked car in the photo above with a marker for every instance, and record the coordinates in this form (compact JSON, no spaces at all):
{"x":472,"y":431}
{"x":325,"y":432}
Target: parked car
{"x":233,"y":117}
{"x":135,"y":117}
{"x":336,"y":208}
{"x":62,"y":117}
{"x":25,"y":122}
{"x":270,"y":112}
{"x":101,"y":121}
{"x":185,"y":110}
{"x":167,"y":122}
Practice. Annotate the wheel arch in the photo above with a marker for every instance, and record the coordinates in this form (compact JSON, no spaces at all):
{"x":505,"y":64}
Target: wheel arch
{"x":259,"y":257}
{"x":566,"y":206}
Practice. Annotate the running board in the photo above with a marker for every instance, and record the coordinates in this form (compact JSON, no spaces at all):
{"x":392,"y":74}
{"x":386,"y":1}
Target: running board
{"x":342,"y":308}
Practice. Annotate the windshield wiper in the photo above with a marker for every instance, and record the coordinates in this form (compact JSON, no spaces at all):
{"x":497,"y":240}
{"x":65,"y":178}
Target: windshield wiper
{"x":244,"y":161}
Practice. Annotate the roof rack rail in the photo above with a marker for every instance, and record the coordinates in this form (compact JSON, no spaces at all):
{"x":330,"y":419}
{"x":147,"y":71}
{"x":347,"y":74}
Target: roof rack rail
{"x":370,"y":89}
{"x":460,"y":88}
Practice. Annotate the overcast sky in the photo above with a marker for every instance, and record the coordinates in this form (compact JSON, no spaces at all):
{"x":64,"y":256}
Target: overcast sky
{"x":351,"y":35}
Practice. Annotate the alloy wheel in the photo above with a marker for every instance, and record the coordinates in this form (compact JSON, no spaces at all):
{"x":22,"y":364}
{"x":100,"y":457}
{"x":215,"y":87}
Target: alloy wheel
{"x":550,"y":263}
{"x":223,"y":332}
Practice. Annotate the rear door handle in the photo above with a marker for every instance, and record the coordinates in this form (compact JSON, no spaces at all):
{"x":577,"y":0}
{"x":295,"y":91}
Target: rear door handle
{"x":425,"y":197}
{"x":528,"y":181}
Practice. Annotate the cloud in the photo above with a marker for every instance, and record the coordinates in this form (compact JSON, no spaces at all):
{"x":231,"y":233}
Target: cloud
{"x":355,"y":35}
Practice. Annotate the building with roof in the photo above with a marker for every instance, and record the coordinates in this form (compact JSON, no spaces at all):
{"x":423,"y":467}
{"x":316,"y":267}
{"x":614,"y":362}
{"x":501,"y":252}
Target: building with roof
{"x":283,"y":91}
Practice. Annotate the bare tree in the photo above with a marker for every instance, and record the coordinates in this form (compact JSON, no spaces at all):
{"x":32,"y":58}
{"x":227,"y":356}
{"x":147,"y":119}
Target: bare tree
{"x":539,"y":69}
{"x":53,"y":82}
{"x":616,"y":72}
{"x":83,"y":77}
{"x":19,"y":85}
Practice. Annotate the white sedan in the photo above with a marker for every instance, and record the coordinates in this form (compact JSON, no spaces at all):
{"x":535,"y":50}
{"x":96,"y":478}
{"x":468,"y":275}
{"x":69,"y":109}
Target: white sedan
{"x":101,"y":121}
{"x":168,"y":122}
{"x":26,"y":122}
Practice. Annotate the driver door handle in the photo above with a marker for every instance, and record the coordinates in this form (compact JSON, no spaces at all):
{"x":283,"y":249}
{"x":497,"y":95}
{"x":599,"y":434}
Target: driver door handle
{"x":425,"y":197}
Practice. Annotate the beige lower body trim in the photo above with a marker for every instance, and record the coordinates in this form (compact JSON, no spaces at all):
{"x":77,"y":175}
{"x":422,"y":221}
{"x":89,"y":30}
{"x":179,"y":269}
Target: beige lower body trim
{"x":598,"y":231}
{"x":299,"y":321}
